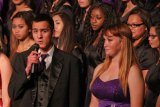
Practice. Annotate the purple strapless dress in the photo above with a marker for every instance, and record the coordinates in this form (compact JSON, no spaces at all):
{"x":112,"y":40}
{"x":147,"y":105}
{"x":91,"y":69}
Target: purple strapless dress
{"x":110,"y":93}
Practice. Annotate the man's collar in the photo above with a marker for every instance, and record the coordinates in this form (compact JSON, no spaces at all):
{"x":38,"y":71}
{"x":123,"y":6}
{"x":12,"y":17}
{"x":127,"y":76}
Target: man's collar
{"x":50,"y":52}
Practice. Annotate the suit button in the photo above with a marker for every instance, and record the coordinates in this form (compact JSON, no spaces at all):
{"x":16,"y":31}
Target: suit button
{"x":41,"y":99}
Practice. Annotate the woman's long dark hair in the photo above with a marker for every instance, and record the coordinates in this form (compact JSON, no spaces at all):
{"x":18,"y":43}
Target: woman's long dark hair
{"x":12,"y":7}
{"x":151,"y":4}
{"x":1,"y":36}
{"x":66,"y":41}
{"x":28,"y":17}
{"x":47,"y":5}
{"x":59,"y":4}
{"x":80,"y":12}
{"x":123,"y":4}
{"x":1,"y":5}
{"x":110,"y":19}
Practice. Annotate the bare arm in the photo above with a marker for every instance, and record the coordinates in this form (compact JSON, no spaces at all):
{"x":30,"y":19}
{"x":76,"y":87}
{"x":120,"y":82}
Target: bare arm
{"x":136,"y":87}
{"x":144,"y":72}
{"x":6,"y":70}
{"x":94,"y":101}
{"x":158,"y":102}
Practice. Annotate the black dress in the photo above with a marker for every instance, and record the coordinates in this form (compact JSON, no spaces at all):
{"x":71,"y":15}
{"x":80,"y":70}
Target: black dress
{"x":153,"y":83}
{"x":78,"y":52}
{"x":146,"y":55}
{"x":94,"y":56}
{"x":125,"y":17}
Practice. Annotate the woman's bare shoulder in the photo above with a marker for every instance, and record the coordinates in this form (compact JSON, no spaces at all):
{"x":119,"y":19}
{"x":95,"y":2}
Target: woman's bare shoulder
{"x":135,"y":73}
{"x":3,"y":59}
{"x":3,"y":56}
{"x":97,"y":69}
{"x":134,"y":69}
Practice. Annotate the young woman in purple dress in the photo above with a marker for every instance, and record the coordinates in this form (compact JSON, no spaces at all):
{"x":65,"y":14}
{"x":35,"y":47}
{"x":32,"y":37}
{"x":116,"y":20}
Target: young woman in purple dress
{"x":118,"y":81}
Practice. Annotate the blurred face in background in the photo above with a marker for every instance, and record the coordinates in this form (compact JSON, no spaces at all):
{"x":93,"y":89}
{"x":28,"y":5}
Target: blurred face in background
{"x":20,"y":29}
{"x":154,"y":40}
{"x":137,"y":26}
{"x":18,"y":2}
{"x":97,"y":19}
{"x":84,"y":3}
{"x":58,"y":25}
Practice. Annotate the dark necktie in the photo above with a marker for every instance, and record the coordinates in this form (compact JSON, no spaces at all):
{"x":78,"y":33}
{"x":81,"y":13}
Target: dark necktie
{"x":42,"y":64}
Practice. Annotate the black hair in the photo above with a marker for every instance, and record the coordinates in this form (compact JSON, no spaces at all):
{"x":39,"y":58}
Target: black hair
{"x":27,"y":16}
{"x":151,"y":4}
{"x":45,"y":17}
{"x":1,"y":36}
{"x":143,"y":14}
{"x":12,"y":7}
{"x":80,"y":12}
{"x":155,"y":22}
{"x":110,"y":19}
{"x":123,"y":4}
{"x":66,"y":41}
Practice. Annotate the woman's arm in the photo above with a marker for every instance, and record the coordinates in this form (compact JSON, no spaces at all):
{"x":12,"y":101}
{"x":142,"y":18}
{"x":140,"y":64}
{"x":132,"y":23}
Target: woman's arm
{"x":94,"y":101}
{"x":158,"y":102}
{"x":5,"y":70}
{"x":144,"y":72}
{"x":136,"y":87}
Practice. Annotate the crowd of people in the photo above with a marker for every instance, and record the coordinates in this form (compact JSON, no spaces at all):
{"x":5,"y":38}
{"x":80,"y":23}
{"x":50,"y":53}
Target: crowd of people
{"x":79,"y":53}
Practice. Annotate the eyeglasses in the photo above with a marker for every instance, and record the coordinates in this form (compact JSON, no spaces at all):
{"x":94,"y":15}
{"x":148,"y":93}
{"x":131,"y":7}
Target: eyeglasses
{"x":135,"y":25}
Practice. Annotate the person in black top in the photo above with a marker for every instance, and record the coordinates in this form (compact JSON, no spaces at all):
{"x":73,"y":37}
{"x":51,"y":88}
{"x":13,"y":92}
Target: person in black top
{"x":80,"y":10}
{"x":100,"y":17}
{"x":152,"y":98}
{"x":139,"y":22}
{"x":64,"y":39}
{"x":53,"y":6}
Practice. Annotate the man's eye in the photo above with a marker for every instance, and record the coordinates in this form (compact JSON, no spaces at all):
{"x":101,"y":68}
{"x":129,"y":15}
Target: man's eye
{"x":34,"y":31}
{"x":45,"y":31}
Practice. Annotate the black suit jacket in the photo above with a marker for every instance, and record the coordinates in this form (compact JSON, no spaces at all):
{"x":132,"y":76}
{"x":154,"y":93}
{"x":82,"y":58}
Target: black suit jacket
{"x":64,"y":86}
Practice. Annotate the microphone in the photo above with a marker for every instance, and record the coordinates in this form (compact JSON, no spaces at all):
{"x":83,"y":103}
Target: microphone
{"x":35,"y":47}
{"x":34,"y":67}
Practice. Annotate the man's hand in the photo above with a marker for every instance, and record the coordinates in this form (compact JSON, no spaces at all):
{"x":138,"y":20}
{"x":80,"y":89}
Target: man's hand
{"x":33,"y":58}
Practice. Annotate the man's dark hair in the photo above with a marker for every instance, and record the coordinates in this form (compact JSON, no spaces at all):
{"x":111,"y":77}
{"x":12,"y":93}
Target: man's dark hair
{"x":45,"y":17}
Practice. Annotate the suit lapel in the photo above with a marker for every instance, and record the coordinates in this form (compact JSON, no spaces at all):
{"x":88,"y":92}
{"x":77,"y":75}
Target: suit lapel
{"x":56,"y":69}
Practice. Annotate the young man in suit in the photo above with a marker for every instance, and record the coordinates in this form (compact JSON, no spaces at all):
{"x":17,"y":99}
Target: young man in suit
{"x":56,"y":85}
